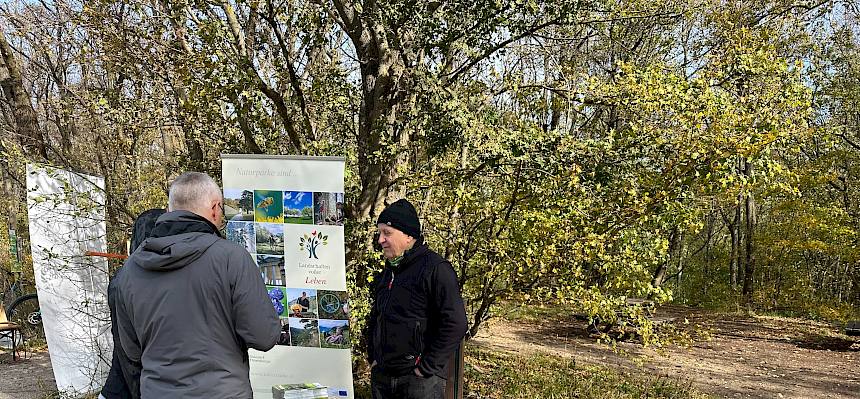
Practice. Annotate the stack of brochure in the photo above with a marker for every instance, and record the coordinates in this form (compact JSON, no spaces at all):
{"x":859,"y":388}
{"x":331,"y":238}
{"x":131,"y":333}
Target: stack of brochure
{"x":300,"y":391}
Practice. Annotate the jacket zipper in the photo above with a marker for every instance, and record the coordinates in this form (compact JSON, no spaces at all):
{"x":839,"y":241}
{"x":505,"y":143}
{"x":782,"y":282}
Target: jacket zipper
{"x":418,"y":341}
{"x":383,"y":311}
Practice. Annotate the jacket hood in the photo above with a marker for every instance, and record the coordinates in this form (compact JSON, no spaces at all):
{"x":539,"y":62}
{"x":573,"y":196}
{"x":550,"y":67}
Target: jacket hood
{"x":179,"y":238}
{"x":143,"y":226}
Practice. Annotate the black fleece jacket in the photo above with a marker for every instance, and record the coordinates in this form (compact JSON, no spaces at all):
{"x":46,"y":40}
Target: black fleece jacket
{"x":417,"y":317}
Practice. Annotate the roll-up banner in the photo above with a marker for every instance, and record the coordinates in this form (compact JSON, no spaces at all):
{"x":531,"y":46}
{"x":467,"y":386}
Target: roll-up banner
{"x":287,"y":212}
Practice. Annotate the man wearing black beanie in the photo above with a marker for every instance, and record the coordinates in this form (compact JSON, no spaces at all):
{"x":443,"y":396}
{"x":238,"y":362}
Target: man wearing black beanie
{"x":417,"y":318}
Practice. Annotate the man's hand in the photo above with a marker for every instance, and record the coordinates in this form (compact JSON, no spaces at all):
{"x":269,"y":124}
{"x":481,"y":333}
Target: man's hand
{"x":418,"y":372}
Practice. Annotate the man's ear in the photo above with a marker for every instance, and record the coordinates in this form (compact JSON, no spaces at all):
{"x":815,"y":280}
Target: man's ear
{"x":213,"y":210}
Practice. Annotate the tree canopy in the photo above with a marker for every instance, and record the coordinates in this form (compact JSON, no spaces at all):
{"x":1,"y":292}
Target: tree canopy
{"x":583,"y":151}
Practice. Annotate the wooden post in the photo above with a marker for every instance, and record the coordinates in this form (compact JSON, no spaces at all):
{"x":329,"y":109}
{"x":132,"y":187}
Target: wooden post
{"x":456,"y":365}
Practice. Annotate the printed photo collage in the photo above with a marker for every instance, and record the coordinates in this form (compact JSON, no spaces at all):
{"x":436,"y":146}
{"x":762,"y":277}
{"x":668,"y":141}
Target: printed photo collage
{"x":268,"y":224}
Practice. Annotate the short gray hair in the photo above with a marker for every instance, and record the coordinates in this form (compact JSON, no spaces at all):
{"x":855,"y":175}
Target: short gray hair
{"x":191,"y":191}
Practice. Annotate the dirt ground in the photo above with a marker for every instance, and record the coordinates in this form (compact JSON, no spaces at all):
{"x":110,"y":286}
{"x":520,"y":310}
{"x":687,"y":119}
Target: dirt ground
{"x":32,"y":378}
{"x":745,"y":357}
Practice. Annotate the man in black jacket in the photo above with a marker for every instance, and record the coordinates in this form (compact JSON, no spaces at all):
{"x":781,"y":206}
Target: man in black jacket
{"x":417,"y":319}
{"x":305,"y":302}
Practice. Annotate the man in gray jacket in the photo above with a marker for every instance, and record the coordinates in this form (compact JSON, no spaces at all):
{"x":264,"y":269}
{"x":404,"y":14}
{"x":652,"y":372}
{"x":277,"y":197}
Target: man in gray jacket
{"x":189,"y":304}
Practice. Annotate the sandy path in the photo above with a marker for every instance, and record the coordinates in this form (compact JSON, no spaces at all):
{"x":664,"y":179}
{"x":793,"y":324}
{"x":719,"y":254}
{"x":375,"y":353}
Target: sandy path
{"x":746,"y":358}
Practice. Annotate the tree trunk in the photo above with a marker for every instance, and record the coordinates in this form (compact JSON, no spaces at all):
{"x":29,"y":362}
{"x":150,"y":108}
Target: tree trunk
{"x":26,"y":122}
{"x":734,"y":228}
{"x":195,"y":160}
{"x":749,"y":237}
{"x":10,"y":194}
{"x":382,"y":69}
{"x":674,"y":244}
{"x":733,"y":225}
{"x":854,"y":287}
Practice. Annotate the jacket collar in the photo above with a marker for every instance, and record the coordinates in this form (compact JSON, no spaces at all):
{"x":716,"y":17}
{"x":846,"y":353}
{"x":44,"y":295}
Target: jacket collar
{"x":179,"y":222}
{"x":409,"y":257}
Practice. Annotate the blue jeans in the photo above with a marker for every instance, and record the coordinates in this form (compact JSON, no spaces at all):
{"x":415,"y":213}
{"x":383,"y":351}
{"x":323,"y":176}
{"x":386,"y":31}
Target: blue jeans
{"x":409,"y":386}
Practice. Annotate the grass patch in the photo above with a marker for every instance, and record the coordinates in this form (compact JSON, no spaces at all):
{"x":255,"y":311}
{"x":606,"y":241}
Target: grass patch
{"x":495,"y":375}
{"x":498,"y":375}
{"x":535,"y":313}
{"x":826,"y":312}
{"x":299,"y":220}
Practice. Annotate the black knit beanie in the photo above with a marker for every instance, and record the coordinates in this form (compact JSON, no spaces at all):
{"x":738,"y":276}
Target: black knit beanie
{"x":402,"y":216}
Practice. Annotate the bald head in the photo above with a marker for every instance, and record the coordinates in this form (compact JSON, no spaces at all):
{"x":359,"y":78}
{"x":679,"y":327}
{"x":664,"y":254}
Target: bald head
{"x":196,"y":192}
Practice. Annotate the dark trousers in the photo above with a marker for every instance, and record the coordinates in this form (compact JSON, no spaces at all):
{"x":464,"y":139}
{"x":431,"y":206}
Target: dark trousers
{"x":408,"y":386}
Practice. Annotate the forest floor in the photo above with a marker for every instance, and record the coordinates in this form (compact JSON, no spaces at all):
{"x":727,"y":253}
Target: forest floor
{"x":730,"y":355}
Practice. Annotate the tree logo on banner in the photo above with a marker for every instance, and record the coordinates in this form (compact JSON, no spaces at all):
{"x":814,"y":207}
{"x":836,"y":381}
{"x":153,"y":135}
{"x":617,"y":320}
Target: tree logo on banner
{"x":311,"y":242}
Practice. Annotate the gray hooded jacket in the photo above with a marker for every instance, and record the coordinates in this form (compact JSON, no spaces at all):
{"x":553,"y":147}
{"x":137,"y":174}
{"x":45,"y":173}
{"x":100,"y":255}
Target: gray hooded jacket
{"x":189,"y":305}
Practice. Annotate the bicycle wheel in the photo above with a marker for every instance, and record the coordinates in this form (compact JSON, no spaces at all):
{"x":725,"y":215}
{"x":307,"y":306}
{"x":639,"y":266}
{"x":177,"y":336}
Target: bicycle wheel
{"x":25,"y":312}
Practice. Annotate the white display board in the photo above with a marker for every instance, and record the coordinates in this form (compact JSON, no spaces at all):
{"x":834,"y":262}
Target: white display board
{"x":288,"y":213}
{"x":66,"y":215}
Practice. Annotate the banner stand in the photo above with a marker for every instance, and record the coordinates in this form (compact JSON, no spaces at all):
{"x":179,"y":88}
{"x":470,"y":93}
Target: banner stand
{"x":287,"y":212}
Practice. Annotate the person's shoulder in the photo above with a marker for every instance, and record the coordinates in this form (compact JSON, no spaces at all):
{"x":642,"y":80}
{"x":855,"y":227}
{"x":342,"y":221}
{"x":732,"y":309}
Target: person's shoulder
{"x":435,"y":264}
{"x":223,"y":244}
{"x":128,"y":269}
{"x":119,"y":277}
{"x":229,"y":249}
{"x":434,"y":259}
